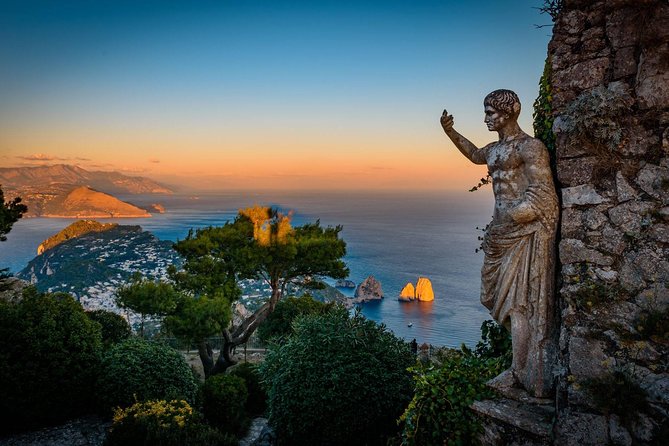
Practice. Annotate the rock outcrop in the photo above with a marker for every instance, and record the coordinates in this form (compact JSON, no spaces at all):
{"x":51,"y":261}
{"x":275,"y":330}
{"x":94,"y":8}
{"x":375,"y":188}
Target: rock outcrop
{"x":408,"y":293}
{"x":343,"y":283}
{"x":424,"y":291}
{"x":368,"y":290}
{"x":76,"y":229}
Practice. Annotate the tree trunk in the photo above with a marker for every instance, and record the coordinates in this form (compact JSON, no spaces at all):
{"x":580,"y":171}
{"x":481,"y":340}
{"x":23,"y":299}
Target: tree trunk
{"x":206,"y":357}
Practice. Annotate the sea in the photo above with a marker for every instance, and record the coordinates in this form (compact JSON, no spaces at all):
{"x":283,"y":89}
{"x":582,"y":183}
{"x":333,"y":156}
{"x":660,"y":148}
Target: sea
{"x":396,"y":237}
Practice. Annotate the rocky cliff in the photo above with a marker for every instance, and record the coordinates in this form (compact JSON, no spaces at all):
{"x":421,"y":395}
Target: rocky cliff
{"x":368,"y":290}
{"x":424,"y":290}
{"x":408,"y":293}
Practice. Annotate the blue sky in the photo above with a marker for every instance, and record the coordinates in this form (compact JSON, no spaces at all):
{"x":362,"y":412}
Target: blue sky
{"x":288,"y":87}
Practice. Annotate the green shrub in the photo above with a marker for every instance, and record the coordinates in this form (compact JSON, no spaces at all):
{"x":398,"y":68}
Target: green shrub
{"x":114,"y":327}
{"x":619,"y":393}
{"x":139,"y":370}
{"x":49,"y":354}
{"x":337,"y":380}
{"x":256,"y":404}
{"x":164,"y":423}
{"x":278,"y":324}
{"x":224,"y":399}
{"x":439,"y":412}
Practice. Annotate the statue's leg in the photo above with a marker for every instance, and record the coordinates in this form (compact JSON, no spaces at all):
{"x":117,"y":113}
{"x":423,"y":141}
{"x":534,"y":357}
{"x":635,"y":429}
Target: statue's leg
{"x":520,"y":337}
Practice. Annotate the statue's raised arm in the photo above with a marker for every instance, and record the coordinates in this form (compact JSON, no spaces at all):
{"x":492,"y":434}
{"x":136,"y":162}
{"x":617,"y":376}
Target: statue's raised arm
{"x":465,"y":146}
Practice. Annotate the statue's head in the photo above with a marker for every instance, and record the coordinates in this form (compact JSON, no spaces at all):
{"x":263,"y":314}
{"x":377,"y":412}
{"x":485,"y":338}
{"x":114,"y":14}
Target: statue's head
{"x":505,"y":101}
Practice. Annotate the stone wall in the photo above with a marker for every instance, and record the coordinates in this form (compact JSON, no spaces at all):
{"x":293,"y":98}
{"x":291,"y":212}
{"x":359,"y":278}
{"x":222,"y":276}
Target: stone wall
{"x":610,"y":65}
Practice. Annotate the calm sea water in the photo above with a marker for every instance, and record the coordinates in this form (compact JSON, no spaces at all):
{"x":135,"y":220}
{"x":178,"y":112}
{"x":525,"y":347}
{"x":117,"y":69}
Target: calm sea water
{"x":396,"y":237}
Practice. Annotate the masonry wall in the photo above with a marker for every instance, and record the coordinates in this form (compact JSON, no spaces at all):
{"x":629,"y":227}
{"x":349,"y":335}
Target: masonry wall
{"x":610,"y":77}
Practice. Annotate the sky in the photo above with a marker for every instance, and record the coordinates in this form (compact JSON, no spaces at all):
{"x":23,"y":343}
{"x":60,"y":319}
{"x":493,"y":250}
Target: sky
{"x":264,"y":94}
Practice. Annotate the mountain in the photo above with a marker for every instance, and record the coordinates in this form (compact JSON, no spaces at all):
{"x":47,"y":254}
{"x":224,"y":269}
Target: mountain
{"x":83,"y":202}
{"x":76,"y":229}
{"x":47,"y":191}
{"x":58,"y":175}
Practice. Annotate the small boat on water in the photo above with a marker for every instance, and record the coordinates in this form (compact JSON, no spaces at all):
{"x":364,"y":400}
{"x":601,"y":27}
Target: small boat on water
{"x":410,"y":324}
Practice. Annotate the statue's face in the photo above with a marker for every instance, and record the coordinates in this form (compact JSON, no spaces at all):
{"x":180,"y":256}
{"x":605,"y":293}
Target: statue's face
{"x":495,"y":119}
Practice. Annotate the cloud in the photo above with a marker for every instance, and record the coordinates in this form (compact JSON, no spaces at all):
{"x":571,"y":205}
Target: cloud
{"x":43,"y":157}
{"x":154,"y":160}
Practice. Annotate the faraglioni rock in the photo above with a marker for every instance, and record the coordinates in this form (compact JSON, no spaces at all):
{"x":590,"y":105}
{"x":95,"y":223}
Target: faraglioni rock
{"x":343,"y":283}
{"x":369,"y":289}
{"x":424,"y":291}
{"x":408,"y":293}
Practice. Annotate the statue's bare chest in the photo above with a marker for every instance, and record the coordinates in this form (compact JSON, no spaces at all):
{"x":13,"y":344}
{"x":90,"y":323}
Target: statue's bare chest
{"x":503,"y":158}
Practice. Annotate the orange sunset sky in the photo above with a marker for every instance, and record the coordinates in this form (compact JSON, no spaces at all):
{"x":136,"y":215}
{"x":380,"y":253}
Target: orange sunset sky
{"x":256,"y":95}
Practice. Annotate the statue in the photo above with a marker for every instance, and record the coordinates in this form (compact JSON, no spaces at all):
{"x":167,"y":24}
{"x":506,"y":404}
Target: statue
{"x":517,"y":278}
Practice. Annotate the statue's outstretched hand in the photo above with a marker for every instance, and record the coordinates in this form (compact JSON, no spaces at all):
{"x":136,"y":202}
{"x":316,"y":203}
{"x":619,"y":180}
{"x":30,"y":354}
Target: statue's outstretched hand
{"x":447,"y":121}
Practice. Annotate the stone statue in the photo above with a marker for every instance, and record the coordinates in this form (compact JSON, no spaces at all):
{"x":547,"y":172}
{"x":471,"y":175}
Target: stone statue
{"x":519,"y":244}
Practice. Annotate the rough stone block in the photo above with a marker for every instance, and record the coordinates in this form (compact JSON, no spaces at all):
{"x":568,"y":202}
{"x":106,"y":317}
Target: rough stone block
{"x":645,"y":265}
{"x":630,"y":215}
{"x":653,"y":78}
{"x":624,"y":63}
{"x":613,"y":240}
{"x":619,"y":435}
{"x":571,"y":226}
{"x":583,"y":75}
{"x":593,"y":219}
{"x":577,"y":171}
{"x":587,"y":358}
{"x":654,"y":180}
{"x":575,"y":251}
{"x":581,"y":429}
{"x":659,"y":232}
{"x":621,"y":27}
{"x":580,"y":195}
{"x":573,"y":21}
{"x":625,"y":191}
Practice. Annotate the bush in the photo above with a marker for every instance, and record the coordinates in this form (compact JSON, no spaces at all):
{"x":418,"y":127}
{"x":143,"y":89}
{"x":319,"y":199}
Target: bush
{"x":49,"y":354}
{"x":139,"y":370}
{"x":114,"y":327}
{"x":337,"y":380}
{"x":224,"y":399}
{"x":256,"y":404}
{"x":278,"y":324}
{"x":439,"y":412}
{"x":164,"y":423}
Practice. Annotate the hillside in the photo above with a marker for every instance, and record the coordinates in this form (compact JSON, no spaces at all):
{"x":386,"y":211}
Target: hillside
{"x":84,"y":202}
{"x":76,"y":229}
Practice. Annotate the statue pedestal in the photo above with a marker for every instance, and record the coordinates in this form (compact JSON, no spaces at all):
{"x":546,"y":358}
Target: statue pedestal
{"x":515,"y":417}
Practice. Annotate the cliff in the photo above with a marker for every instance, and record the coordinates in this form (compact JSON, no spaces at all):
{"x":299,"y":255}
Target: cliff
{"x":368,"y":290}
{"x":424,"y":291}
{"x":408,"y":293}
{"x":76,"y":229}
{"x":84,"y":202}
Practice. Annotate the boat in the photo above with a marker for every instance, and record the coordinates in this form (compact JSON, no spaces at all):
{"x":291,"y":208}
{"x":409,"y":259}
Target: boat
{"x":410,"y":324}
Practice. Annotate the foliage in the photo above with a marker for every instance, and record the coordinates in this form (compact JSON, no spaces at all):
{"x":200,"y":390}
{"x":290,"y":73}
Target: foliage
{"x":592,"y":293}
{"x":147,"y":297}
{"x":552,"y":8}
{"x":653,"y":324}
{"x":278,"y":325}
{"x":49,"y":354}
{"x":224,"y":400}
{"x":259,"y":244}
{"x":596,"y":115}
{"x":164,"y":423}
{"x":197,"y":318}
{"x":439,"y":412}
{"x":482,"y":182}
{"x":139,"y":370}
{"x":495,"y":343}
{"x":10,"y":212}
{"x":337,"y":380}
{"x":543,"y":114}
{"x":619,"y":393}
{"x":256,"y":404}
{"x":114,"y":328}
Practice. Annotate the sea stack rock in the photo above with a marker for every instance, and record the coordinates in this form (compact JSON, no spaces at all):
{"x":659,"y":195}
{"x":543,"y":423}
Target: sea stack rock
{"x":408,"y":293}
{"x":424,"y":291}
{"x":369,"y":289}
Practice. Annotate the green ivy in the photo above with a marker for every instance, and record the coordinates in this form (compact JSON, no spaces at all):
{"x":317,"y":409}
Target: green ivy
{"x":543,"y":113}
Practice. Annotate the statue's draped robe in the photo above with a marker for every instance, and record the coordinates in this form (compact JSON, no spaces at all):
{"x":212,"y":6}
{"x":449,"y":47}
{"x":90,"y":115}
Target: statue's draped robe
{"x":517,"y":278}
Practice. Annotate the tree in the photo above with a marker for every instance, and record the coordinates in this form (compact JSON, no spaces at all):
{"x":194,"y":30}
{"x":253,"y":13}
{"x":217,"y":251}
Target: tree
{"x":337,"y":380}
{"x":260,"y":244}
{"x":279,"y":324}
{"x":10,"y":212}
{"x":147,"y":297}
